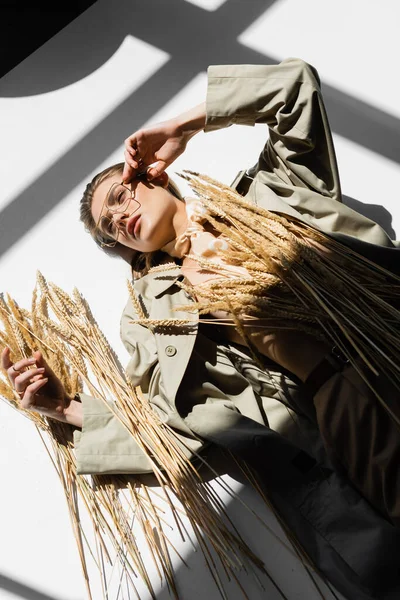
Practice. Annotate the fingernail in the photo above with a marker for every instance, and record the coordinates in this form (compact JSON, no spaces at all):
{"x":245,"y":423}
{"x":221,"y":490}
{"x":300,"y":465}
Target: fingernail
{"x":42,"y":370}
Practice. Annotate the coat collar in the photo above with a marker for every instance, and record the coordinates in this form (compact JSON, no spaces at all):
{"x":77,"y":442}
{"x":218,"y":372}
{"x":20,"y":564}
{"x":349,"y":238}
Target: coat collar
{"x":159,"y":282}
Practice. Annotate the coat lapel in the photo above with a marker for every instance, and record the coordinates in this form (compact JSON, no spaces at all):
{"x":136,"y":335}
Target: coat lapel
{"x":174,"y":344}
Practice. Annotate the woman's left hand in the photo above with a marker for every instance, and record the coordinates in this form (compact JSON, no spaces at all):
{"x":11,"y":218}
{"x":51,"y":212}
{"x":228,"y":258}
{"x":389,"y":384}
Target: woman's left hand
{"x":155,"y":148}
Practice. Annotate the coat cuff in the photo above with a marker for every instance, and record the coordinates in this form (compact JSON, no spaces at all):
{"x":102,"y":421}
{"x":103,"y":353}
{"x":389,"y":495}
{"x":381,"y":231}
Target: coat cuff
{"x":221,"y":100}
{"x":104,"y":445}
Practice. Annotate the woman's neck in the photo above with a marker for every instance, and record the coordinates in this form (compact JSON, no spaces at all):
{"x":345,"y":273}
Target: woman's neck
{"x":180,"y":243}
{"x":180,"y":219}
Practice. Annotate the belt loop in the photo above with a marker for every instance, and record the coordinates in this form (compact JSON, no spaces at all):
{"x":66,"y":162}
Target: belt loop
{"x":242,"y":182}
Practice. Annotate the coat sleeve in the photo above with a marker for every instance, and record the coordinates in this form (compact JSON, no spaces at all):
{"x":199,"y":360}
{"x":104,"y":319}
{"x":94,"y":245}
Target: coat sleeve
{"x":104,"y":446}
{"x":287,"y":97}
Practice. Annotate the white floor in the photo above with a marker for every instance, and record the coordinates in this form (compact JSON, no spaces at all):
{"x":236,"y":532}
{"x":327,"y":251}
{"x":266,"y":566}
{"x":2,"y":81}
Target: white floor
{"x":58,"y":127}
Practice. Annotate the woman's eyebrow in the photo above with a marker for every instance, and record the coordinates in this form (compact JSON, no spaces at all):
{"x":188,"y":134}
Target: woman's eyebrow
{"x":110,"y":198}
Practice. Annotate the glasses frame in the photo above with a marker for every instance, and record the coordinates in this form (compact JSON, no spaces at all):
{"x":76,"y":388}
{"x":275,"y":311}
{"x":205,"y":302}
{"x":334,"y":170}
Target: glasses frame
{"x":118,"y":209}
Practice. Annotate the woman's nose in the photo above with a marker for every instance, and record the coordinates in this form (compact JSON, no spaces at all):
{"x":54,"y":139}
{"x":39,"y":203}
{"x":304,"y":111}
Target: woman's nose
{"x":119,"y":218}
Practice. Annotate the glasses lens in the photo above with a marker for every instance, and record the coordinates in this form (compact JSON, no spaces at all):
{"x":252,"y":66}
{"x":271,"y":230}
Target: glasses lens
{"x":108,"y":227}
{"x":118,"y":197}
{"x":120,"y":200}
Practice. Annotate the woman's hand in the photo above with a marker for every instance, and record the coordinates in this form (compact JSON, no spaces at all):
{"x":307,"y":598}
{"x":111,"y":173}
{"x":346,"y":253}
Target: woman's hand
{"x":155,"y":148}
{"x":40,"y":390}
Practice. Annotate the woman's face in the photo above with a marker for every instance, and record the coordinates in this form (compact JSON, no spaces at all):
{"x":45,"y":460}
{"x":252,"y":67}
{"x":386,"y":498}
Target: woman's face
{"x":146,"y":222}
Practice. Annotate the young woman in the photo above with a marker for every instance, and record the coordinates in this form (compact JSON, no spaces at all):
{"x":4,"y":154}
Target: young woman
{"x":201,"y":380}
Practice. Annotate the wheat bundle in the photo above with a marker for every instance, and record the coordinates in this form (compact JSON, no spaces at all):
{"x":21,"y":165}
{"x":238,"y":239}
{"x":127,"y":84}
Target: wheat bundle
{"x":64,"y":330}
{"x":301,"y":279}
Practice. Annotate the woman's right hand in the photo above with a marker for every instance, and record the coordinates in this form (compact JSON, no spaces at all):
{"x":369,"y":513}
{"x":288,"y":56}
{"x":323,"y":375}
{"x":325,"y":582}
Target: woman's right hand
{"x":40,"y":390}
{"x":156,"y":147}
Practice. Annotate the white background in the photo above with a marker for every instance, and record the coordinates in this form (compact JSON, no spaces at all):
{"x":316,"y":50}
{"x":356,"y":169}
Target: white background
{"x":354,"y":46}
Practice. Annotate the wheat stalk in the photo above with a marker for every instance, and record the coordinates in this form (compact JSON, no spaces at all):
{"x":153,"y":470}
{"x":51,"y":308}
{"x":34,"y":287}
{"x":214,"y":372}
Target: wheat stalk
{"x":75,"y":346}
{"x":324,"y":288}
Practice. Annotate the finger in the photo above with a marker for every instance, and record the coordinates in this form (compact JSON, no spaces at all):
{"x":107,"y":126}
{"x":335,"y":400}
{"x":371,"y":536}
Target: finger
{"x":131,"y":151}
{"x":5,"y":358}
{"x":14,"y":370}
{"x":128,"y":173}
{"x":156,"y":170}
{"x":131,"y":161}
{"x":41,"y":363}
{"x":22,"y":364}
{"x":36,"y":378}
{"x":28,"y":399}
{"x":131,"y":144}
{"x":22,"y":380}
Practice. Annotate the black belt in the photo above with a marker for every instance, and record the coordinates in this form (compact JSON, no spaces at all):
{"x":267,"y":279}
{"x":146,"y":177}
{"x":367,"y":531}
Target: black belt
{"x":332,"y":363}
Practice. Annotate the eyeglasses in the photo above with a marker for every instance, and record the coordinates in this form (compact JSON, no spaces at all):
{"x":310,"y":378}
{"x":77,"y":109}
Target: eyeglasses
{"x":117,"y":201}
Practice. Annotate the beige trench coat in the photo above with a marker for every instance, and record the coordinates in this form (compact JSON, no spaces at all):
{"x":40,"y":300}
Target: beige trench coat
{"x":197,"y":386}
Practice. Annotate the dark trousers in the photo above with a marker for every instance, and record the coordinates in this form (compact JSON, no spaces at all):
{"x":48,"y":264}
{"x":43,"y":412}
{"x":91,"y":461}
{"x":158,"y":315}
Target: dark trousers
{"x":346,"y":538}
{"x":360,"y":438}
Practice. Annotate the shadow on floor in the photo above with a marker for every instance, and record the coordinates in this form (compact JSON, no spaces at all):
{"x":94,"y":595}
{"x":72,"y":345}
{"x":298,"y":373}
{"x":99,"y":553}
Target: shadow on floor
{"x":22,"y":591}
{"x":194,"y":38}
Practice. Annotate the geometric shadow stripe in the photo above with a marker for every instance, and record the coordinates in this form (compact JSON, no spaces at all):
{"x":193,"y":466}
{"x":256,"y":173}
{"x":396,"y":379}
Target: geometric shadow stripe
{"x":24,"y":211}
{"x":362,"y":123}
{"x":41,"y":196}
{"x":351,"y":118}
{"x":348,"y":117}
{"x":22,"y":591}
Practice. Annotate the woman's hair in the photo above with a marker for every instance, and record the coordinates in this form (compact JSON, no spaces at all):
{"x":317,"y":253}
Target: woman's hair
{"x":140,"y":262}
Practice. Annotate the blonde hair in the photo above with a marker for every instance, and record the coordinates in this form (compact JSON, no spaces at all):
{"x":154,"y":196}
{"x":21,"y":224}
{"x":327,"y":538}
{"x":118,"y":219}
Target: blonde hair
{"x":140,"y":262}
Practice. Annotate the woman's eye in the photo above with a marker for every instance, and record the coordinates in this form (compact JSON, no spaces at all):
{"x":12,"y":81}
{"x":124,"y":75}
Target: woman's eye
{"x":107,"y":226}
{"x":112,"y":229}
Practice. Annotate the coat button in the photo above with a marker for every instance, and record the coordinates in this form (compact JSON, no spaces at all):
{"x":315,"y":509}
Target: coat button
{"x":170,"y":350}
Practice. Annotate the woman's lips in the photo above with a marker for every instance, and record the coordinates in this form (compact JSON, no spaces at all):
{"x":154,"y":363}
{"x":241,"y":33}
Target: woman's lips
{"x":137,"y":226}
{"x":132,"y":225}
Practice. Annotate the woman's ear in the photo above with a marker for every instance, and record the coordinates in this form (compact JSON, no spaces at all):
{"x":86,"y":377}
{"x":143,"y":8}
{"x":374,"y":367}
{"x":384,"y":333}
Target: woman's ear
{"x":162,"y":180}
